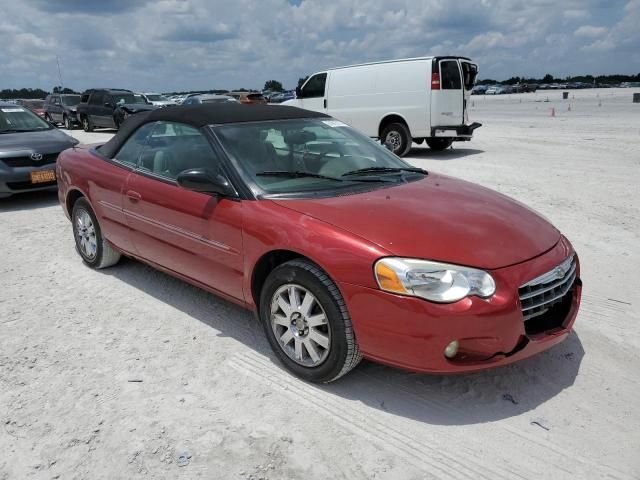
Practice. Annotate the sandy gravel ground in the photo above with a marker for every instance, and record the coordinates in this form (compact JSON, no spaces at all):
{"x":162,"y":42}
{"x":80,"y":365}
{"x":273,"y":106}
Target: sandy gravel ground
{"x":115,"y":374}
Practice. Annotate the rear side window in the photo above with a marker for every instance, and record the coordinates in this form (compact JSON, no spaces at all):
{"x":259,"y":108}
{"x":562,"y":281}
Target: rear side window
{"x":314,"y":86}
{"x":469,"y":73}
{"x":97,"y":98}
{"x":132,"y":148}
{"x":450,"y":75}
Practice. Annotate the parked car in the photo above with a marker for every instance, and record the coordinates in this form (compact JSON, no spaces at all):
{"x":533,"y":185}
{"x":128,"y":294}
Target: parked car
{"x":302,"y":219}
{"x":36,"y":106}
{"x":479,"y":89}
{"x":157,"y":99}
{"x":62,"y":109}
{"x":492,"y":90}
{"x":29,"y":147}
{"x":277,"y":98}
{"x":208,"y":98}
{"x":249,"y":98}
{"x":104,"y":107}
{"x":390,"y":101}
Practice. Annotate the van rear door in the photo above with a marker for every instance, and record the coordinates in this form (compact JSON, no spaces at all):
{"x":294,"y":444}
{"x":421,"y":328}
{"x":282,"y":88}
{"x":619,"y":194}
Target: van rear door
{"x":447,"y":93}
{"x":469,"y":74}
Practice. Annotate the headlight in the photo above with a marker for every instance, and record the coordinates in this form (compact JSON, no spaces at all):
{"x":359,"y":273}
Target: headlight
{"x":434,"y":281}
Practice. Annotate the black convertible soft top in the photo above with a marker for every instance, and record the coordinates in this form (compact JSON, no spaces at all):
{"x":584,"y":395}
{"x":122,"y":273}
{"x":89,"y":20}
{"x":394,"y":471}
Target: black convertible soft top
{"x":205,"y":114}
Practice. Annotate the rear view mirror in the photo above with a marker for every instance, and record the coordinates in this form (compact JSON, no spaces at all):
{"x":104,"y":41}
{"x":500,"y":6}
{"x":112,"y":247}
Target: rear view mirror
{"x":205,"y":181}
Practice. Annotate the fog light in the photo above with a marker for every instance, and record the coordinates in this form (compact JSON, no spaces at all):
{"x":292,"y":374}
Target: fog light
{"x":451,"y":350}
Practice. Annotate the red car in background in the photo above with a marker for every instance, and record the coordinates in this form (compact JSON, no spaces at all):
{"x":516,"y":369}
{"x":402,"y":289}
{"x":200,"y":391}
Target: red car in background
{"x":36,"y":106}
{"x":344,"y":250}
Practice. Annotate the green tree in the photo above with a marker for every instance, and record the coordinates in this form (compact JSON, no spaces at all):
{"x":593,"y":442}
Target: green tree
{"x":301,"y":81}
{"x":273,"y":85}
{"x":548,"y":78}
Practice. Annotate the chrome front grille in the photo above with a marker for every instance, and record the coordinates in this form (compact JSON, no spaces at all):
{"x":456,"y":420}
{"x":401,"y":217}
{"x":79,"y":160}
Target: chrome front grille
{"x":542,"y":293}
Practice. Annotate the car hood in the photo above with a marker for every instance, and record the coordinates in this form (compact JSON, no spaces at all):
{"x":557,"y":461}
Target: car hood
{"x":439,"y":218}
{"x":46,"y":141}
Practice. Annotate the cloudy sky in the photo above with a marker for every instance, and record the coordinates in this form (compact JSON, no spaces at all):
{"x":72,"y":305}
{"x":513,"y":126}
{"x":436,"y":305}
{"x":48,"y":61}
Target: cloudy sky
{"x":172,"y":45}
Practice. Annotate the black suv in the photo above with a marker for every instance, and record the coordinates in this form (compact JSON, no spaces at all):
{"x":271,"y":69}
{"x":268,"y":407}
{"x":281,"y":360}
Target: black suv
{"x":109,"y":107}
{"x":61,"y":108}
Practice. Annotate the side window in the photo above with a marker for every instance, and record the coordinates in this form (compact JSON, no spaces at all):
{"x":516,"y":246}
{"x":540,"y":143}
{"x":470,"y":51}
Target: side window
{"x":97,"y":98}
{"x":450,"y":75}
{"x":133,"y":147}
{"x":469,"y":72}
{"x":314,"y":87}
{"x":175,"y":147}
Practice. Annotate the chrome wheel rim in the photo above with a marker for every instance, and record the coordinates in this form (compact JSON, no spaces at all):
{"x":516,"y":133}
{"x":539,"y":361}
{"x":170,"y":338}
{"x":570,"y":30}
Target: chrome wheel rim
{"x":85,"y":124}
{"x":394,"y":139}
{"x":300,"y":325}
{"x":86,"y":235}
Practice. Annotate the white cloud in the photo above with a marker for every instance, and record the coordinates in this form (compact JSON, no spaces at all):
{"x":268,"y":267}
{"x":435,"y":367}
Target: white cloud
{"x":590,"y":31}
{"x":197,"y":44}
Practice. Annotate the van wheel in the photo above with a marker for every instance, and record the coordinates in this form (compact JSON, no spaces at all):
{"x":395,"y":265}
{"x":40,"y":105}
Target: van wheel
{"x":439,"y":144}
{"x":307,"y":323}
{"x":397,"y":136}
{"x":86,"y":124}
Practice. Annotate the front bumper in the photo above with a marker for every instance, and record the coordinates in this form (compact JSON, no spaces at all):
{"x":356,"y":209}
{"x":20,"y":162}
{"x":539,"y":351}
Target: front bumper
{"x":18,"y":180}
{"x":411,"y":333}
{"x":457,"y":132}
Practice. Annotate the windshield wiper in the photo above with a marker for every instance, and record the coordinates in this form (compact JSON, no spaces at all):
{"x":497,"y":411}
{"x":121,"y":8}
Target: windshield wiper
{"x":302,"y":174}
{"x":364,"y":171}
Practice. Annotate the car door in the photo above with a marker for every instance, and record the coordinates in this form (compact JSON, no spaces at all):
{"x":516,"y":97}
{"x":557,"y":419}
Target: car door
{"x":313,"y":93}
{"x":194,"y":234}
{"x":447,"y":102}
{"x":54,"y":109}
{"x":106,"y":111}
{"x":469,"y":74}
{"x":95,"y":108}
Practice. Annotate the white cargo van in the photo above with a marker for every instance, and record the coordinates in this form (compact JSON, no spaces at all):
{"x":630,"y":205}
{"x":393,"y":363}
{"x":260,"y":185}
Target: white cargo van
{"x":397,"y":101}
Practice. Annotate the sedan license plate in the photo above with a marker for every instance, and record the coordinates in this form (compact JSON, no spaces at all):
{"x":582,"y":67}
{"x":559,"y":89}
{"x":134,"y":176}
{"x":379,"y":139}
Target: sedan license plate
{"x":43,"y":176}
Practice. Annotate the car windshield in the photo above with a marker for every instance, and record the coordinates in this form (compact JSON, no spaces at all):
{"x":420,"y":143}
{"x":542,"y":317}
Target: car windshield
{"x":130,"y":98}
{"x":71,"y":100}
{"x":310,"y":155}
{"x":157,"y":98}
{"x":18,"y":119}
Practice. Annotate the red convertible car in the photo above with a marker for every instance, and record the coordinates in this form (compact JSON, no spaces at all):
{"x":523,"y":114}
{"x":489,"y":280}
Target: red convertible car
{"x":342,"y":249}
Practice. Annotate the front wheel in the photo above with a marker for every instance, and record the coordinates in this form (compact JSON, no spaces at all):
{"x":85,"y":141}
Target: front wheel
{"x":307,"y":323}
{"x":87,"y":126}
{"x":95,"y":251}
{"x":439,"y":144}
{"x":397,"y":137}
{"x":68,"y":124}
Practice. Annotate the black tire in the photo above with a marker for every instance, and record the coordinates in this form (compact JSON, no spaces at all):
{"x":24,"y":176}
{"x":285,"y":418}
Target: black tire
{"x":68,"y":124}
{"x":48,"y":118}
{"x":343,"y":352}
{"x":399,"y":136}
{"x":87,"y":126}
{"x":439,"y":144}
{"x":105,"y":255}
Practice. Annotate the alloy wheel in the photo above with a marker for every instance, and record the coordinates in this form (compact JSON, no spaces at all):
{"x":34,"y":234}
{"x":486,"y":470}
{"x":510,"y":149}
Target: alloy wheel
{"x":300,"y":325}
{"x":86,"y":235}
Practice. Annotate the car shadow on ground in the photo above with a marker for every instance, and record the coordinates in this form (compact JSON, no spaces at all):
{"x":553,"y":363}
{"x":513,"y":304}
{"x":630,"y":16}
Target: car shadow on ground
{"x":28,"y":201}
{"x":440,"y":400}
{"x":424,"y":152}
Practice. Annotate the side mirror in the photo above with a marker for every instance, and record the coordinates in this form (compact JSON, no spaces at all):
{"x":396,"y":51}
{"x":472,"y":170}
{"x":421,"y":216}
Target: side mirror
{"x":205,"y":181}
{"x":298,"y":92}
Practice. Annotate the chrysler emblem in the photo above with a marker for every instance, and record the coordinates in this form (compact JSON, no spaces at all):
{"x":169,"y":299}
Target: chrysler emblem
{"x":36,"y":157}
{"x":560,"y":272}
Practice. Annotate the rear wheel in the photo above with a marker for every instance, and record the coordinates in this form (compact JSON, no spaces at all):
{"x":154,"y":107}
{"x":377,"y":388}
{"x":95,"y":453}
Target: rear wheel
{"x":397,"y":137}
{"x":87,"y":126}
{"x":439,"y":144}
{"x":307,"y":323}
{"x":68,"y":124}
{"x":95,"y":251}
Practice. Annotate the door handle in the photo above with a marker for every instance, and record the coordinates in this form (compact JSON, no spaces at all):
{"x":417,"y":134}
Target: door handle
{"x":133,"y":196}
{"x":325,"y":103}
